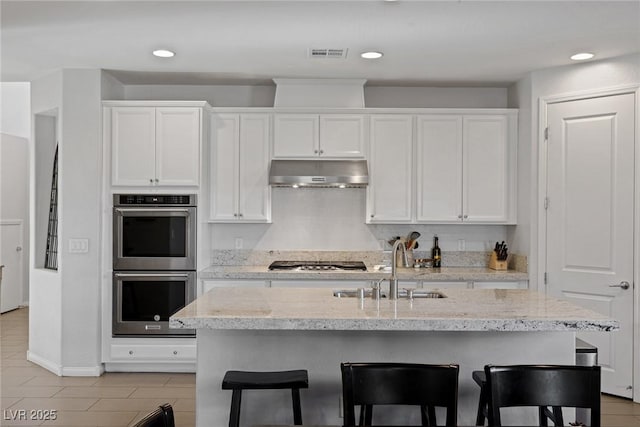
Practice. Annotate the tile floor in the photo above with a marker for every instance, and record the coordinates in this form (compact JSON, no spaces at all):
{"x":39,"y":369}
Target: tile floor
{"x":120,"y":399}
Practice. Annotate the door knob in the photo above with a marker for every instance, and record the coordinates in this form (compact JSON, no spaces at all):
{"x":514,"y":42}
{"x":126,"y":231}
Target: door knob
{"x":624,"y":285}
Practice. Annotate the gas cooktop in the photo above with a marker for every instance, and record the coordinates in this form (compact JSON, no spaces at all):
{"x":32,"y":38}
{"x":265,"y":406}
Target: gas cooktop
{"x":318,"y":265}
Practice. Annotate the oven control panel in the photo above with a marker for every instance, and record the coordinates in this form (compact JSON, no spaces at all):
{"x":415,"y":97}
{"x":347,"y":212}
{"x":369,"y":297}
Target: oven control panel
{"x":154,"y":199}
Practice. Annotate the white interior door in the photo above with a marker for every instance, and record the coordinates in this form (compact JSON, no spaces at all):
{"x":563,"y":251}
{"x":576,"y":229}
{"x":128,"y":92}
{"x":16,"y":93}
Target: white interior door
{"x":590,"y":184}
{"x":11,"y":257}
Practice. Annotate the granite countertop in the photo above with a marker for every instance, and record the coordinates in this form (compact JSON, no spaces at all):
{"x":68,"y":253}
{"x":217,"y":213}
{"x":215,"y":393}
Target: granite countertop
{"x":261,"y":272}
{"x":318,"y":309}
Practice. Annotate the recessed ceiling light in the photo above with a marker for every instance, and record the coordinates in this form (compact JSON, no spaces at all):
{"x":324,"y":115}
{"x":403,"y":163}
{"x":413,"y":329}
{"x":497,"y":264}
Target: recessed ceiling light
{"x":163,"y":53}
{"x":371,"y":55}
{"x":582,"y":56}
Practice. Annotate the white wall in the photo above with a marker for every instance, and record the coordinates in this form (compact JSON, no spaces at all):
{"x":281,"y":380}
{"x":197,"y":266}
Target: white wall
{"x":14,"y":196}
{"x":216,"y":96}
{"x":375,"y":96}
{"x":15,"y":114}
{"x":80,"y":178}
{"x":15,"y":132}
{"x":65,"y":315}
{"x":519,"y":238}
{"x":435,"y":97}
{"x":333,"y":219}
{"x":45,"y":287}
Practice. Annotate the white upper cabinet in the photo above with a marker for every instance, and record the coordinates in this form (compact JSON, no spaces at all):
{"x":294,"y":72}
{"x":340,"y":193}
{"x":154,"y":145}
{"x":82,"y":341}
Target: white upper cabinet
{"x":239,"y":164}
{"x":155,"y":146}
{"x":319,"y":135}
{"x":389,"y":194}
{"x":439,"y":177}
{"x":466,"y":168}
{"x":486,"y":193}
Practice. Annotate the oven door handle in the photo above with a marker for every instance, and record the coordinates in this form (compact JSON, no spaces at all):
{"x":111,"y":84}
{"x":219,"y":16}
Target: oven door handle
{"x":151,"y":275}
{"x":151,"y":210}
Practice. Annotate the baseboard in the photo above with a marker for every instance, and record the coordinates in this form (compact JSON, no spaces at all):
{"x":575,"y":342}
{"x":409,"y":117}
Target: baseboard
{"x":45,"y":363}
{"x":89,"y":371}
{"x":61,"y":371}
{"x":151,"y":367}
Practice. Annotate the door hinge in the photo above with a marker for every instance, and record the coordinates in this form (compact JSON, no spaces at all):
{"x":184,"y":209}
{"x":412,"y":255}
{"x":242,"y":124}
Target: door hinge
{"x":546,"y":133}
{"x":546,"y":277}
{"x":546,"y":203}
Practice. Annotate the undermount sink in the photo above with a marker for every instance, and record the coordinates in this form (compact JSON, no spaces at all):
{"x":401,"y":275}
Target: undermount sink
{"x":402,"y":293}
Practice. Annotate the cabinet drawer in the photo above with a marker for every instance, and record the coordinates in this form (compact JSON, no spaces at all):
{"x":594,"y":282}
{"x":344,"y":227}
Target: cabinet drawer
{"x":153,"y":352}
{"x":333,"y":284}
{"x":207,"y":285}
{"x":446,"y":285}
{"x":500,"y":285}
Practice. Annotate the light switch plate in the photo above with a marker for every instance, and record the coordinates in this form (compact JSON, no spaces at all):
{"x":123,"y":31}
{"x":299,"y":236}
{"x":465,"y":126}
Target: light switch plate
{"x":78,"y":246}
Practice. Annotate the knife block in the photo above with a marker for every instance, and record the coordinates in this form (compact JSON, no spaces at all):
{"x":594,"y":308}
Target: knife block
{"x":495,"y":263}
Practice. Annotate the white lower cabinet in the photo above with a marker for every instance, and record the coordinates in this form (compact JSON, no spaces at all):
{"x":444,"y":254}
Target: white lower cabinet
{"x":333,"y":284}
{"x":446,"y":285}
{"x":152,"y":352}
{"x":501,"y":285}
{"x":207,"y":285}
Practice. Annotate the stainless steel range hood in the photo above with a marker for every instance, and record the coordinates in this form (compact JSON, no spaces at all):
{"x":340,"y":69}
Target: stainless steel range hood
{"x":318,"y":173}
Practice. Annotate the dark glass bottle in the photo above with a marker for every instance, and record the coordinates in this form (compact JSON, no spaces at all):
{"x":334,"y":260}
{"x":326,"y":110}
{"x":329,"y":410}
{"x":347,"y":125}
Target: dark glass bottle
{"x":435,"y":253}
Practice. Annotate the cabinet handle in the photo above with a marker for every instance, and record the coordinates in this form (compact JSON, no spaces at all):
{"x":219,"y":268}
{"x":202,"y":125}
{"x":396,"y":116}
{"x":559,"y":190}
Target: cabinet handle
{"x":157,"y":180}
{"x":175,"y":352}
{"x":240,"y":215}
{"x":466,"y":216}
{"x":131,"y":352}
{"x":235,"y":214}
{"x":460,"y":216}
{"x":151,"y":180}
{"x":315,"y":151}
{"x":321,"y":151}
{"x":372,"y":215}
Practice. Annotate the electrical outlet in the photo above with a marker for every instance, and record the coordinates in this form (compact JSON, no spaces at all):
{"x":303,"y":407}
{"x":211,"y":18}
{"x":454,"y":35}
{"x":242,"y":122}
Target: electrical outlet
{"x":462,"y":244}
{"x":78,"y":246}
{"x":239,"y":242}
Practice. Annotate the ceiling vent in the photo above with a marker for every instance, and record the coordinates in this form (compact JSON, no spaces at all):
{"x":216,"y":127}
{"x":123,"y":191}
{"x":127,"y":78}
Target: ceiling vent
{"x":328,"y":53}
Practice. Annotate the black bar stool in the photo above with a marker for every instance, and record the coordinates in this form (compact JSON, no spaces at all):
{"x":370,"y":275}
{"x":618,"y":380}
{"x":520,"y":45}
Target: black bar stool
{"x":483,"y":402}
{"x":244,"y":380}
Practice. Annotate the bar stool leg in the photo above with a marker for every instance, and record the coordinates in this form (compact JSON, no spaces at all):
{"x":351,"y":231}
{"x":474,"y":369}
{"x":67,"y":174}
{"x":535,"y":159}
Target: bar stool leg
{"x":234,"y":416}
{"x":297,"y":410}
{"x":483,"y":405}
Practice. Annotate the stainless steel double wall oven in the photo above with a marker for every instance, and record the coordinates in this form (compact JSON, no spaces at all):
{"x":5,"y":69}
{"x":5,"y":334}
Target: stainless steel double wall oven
{"x":154,"y":262}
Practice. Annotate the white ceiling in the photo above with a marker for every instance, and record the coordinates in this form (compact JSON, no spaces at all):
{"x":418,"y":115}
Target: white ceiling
{"x":430,"y":43}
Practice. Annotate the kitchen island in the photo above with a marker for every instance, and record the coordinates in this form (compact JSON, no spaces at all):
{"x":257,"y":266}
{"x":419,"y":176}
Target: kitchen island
{"x":295,"y":328}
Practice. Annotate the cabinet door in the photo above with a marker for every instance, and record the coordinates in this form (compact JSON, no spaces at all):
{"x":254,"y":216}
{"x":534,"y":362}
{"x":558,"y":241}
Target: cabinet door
{"x":342,"y":135}
{"x":254,"y":197}
{"x":390,"y":170}
{"x":178,"y":135}
{"x":485,"y":174}
{"x":296,"y":135}
{"x":439,"y":170}
{"x":225,"y":137}
{"x":133,"y":135}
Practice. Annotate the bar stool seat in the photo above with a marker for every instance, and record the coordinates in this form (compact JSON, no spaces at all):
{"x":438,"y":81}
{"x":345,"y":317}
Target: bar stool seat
{"x":246,"y":380}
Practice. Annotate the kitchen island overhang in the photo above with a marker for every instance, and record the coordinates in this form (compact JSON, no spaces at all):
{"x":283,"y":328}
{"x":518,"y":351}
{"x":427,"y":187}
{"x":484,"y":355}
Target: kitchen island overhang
{"x":295,"y":328}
